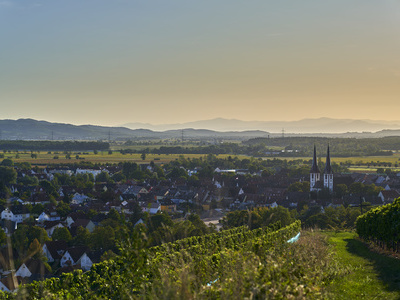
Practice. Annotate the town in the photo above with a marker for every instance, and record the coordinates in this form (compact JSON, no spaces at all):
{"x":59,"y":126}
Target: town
{"x":61,"y":218}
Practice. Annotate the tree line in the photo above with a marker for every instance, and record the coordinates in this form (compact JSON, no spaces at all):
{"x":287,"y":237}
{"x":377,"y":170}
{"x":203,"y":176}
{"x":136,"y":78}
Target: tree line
{"x":53,"y":145}
{"x":340,"y":147}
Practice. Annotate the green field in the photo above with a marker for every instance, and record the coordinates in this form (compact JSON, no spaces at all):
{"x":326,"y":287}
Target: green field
{"x":370,"y":275}
{"x":44,"y":158}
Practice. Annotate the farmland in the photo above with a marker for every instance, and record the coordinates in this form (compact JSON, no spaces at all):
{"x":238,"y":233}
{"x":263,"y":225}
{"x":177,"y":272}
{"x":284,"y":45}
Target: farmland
{"x":102,"y":157}
{"x":363,"y":164}
{"x":360,"y":164}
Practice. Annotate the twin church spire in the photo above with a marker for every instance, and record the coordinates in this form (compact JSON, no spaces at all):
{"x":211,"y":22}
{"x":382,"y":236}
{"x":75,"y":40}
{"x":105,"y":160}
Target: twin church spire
{"x":315,"y":175}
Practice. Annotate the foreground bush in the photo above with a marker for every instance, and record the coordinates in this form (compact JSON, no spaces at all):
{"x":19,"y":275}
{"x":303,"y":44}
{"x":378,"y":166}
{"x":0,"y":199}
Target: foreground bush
{"x":290,"y":271}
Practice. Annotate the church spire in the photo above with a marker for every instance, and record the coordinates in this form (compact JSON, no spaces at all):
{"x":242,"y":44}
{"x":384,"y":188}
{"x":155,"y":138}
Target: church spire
{"x":328,"y":168}
{"x":314,"y":167}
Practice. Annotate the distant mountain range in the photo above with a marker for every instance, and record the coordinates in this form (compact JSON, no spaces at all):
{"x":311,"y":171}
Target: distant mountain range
{"x":29,"y":129}
{"x":320,"y":125}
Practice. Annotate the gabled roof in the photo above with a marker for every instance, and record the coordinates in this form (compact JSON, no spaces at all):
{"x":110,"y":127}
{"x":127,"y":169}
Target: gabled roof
{"x":37,"y":267}
{"x":10,"y":282}
{"x":80,"y":222}
{"x":19,"y":209}
{"x":95,"y":256}
{"x":8,"y":225}
{"x":390,"y":194}
{"x":55,"y":246}
{"x":51,"y":224}
{"x":5,"y":258}
{"x":77,"y":252}
{"x":77,"y":215}
{"x":166,"y":202}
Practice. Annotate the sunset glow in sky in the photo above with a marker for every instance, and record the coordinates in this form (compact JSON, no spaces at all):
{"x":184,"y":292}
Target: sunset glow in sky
{"x":114,"y":62}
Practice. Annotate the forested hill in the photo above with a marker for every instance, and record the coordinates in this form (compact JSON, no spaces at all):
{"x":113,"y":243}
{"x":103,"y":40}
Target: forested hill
{"x":29,"y":129}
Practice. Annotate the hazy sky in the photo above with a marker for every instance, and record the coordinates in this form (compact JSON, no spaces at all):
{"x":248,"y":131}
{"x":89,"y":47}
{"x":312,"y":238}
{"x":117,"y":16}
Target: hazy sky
{"x":113,"y":62}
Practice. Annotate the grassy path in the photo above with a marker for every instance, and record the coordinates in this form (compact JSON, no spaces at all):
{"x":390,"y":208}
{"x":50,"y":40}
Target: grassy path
{"x":371,"y":275}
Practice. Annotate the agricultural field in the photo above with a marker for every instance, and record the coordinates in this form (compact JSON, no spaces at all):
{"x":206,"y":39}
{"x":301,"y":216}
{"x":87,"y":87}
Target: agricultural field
{"x":361,"y":164}
{"x":44,"y":158}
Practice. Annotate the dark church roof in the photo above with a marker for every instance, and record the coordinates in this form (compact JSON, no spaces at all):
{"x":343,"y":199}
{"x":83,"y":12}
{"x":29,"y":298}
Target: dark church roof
{"x":328,"y":168}
{"x":314,"y":167}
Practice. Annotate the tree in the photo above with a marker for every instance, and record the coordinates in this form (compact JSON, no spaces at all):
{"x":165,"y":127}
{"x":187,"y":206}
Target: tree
{"x":103,"y":177}
{"x":356,"y":188}
{"x":109,"y":254}
{"x":7,"y":162}
{"x":117,"y":177}
{"x":158,"y":220}
{"x":82,"y":237}
{"x":129,"y":169}
{"x":380,"y":170}
{"x":102,"y":238}
{"x":28,"y":180}
{"x":37,"y":209}
{"x":7,"y":176}
{"x":24,"y":236}
{"x":61,"y":234}
{"x":114,"y":215}
{"x":34,"y":249}
{"x":177,"y":173}
{"x":300,"y":187}
{"x":143,"y":156}
{"x":67,"y":198}
{"x":49,"y":188}
{"x":137,"y":213}
{"x":3,"y":237}
{"x":200,"y":227}
{"x":25,"y":166}
{"x":341,"y":190}
{"x":63,"y":209}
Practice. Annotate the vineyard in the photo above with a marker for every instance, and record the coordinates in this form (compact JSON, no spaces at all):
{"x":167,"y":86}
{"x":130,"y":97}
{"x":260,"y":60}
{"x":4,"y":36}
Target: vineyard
{"x":198,"y":265}
{"x":381,"y":226}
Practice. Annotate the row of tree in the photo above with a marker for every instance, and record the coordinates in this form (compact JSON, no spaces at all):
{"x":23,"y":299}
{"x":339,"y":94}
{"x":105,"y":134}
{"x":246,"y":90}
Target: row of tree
{"x":53,"y":145}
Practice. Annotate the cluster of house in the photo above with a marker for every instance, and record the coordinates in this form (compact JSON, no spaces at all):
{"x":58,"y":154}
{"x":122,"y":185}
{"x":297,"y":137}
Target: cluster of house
{"x":35,"y":269}
{"x":68,"y":258}
{"x":153,"y":196}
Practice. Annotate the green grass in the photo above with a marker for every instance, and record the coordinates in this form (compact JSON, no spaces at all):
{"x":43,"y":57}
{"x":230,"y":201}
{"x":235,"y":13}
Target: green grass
{"x":371,"y":275}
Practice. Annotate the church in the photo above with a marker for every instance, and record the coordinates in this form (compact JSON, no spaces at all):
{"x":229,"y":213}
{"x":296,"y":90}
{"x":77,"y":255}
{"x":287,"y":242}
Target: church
{"x":316,"y":184}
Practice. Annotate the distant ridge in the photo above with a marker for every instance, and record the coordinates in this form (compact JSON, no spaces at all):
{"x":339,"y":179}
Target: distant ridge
{"x":320,"y":125}
{"x":29,"y":129}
